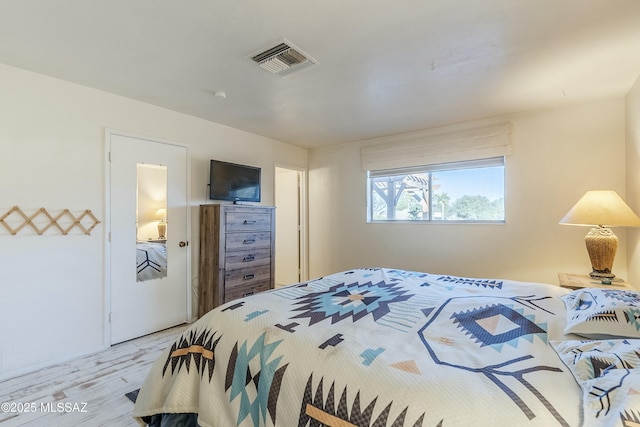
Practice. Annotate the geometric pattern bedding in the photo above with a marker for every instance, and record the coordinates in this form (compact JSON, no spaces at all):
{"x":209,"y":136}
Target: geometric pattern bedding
{"x":151,"y":260}
{"x":603,"y":313}
{"x":609,"y":374}
{"x":373,"y":347}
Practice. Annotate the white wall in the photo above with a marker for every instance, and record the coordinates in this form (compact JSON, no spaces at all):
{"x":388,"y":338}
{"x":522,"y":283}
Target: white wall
{"x":633,"y":177}
{"x":557,"y":156}
{"x":52,"y":155}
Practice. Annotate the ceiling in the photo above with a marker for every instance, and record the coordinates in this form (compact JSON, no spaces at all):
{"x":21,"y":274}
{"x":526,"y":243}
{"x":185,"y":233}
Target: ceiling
{"x":384,"y":67}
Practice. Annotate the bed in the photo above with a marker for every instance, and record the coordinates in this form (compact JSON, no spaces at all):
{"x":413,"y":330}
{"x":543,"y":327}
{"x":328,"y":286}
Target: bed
{"x":387,"y":347}
{"x":151,"y":260}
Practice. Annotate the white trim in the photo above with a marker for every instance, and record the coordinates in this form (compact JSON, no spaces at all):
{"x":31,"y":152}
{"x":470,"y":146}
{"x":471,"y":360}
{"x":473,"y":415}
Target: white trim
{"x":436,"y":146}
{"x":106,"y":341}
{"x":107,"y":226}
{"x":49,"y":363}
{"x":304,"y":223}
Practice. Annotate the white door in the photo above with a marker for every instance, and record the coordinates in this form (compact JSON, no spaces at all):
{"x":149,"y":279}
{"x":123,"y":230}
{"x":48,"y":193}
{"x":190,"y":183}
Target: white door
{"x":288,"y":226}
{"x":148,"y":231}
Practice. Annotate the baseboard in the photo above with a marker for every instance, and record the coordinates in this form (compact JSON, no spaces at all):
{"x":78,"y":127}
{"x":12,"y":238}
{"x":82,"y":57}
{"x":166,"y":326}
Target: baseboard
{"x":29,"y":369}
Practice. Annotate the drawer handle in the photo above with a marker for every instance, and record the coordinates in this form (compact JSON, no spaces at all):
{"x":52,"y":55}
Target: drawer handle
{"x":246,"y":221}
{"x":248,"y":276}
{"x":249,"y":258}
{"x":248,"y":293}
{"x":248,"y":241}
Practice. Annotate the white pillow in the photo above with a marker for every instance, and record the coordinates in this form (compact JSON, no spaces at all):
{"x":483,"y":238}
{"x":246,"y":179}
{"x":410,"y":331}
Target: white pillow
{"x":608,"y":373}
{"x":602,"y":313}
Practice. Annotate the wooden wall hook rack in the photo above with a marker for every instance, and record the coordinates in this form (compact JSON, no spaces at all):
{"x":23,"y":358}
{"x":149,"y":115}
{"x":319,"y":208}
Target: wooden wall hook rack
{"x":58,"y":221}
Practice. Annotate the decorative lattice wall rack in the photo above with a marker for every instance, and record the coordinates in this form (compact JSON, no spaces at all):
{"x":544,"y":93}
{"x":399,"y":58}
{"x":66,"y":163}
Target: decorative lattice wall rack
{"x":65,"y":221}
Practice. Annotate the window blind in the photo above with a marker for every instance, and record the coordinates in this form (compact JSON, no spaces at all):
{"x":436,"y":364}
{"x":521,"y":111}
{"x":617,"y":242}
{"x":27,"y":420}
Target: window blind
{"x":481,"y":163}
{"x":436,"y":146}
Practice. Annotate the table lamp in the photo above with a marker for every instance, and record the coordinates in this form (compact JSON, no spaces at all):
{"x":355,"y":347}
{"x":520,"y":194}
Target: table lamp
{"x":161,"y":214}
{"x":601,"y":209}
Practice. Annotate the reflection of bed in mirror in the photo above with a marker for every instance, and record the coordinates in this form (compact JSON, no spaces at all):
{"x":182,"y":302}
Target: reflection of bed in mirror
{"x":151,"y":260}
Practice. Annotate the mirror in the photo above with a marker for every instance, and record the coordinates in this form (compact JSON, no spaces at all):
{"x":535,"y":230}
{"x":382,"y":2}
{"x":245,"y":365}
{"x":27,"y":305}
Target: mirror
{"x":151,"y":222}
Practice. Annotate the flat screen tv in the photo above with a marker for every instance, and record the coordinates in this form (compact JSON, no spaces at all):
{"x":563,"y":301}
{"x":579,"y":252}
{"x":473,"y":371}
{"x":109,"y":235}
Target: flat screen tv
{"x":237,"y":183}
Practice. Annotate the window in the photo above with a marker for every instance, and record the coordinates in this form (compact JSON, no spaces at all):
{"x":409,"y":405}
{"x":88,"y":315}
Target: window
{"x":470,"y":191}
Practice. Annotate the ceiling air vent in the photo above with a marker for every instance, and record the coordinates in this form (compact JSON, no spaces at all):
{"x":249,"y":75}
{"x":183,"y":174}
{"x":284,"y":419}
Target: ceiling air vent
{"x":283,"y":58}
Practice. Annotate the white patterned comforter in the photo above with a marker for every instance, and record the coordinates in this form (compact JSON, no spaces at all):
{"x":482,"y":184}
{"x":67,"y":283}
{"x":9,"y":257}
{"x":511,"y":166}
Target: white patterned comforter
{"x":373,"y":347}
{"x":151,"y":260}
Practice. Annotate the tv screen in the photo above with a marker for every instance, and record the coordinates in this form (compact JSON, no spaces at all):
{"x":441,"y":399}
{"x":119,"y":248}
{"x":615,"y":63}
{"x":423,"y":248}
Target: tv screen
{"x":230,"y":181}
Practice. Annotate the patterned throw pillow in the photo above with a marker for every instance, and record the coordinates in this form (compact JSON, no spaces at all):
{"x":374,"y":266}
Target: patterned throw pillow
{"x":601,"y":313}
{"x":608,"y":373}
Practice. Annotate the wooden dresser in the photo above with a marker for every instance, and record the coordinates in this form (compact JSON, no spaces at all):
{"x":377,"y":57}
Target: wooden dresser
{"x":237,"y":257}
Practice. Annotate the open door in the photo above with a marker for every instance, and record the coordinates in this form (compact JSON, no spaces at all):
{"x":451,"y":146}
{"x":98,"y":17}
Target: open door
{"x":290,"y":226}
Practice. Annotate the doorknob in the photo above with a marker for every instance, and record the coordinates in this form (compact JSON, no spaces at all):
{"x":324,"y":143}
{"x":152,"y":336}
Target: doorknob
{"x":183,"y":244}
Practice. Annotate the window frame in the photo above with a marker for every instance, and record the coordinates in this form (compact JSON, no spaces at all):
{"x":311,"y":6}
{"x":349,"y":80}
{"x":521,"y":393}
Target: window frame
{"x":430,"y":169}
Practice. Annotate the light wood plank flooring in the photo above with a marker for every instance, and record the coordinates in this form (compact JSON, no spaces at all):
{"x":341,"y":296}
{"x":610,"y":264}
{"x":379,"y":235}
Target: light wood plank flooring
{"x":99,"y":380}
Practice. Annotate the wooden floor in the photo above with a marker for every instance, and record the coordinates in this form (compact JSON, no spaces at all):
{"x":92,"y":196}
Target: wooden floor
{"x":96,"y":384}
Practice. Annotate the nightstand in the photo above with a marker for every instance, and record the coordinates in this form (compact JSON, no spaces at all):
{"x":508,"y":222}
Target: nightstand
{"x":579,"y":281}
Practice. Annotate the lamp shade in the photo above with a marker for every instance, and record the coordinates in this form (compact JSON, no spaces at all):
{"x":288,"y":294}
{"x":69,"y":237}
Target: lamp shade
{"x":161,"y":214}
{"x":601,"y":208}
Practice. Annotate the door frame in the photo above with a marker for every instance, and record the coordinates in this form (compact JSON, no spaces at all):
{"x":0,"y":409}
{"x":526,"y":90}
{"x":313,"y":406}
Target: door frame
{"x":304,"y":216}
{"x":108,"y":132}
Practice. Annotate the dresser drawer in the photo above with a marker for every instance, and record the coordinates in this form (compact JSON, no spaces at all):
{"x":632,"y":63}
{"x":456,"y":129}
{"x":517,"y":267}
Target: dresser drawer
{"x":247,"y":259}
{"x":246,"y":276}
{"x":248,"y":221}
{"x":247,"y":241}
{"x":245,"y":291}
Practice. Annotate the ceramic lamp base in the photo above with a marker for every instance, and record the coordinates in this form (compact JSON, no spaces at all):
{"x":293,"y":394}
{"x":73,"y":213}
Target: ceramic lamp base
{"x":162,"y":230}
